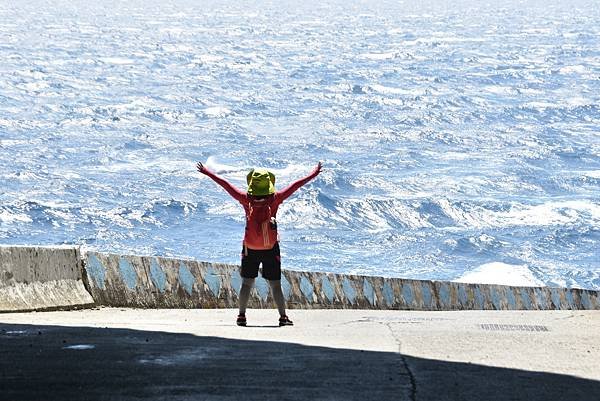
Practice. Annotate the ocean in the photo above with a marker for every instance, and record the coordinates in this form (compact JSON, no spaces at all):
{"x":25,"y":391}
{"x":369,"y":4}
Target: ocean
{"x":460,"y":140}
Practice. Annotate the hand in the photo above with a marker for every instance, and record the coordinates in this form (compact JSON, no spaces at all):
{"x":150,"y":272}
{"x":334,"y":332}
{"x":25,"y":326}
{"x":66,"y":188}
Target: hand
{"x":200,"y":167}
{"x":318,"y":168}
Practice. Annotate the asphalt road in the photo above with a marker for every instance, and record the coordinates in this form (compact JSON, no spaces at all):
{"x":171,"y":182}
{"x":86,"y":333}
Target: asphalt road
{"x":129,"y":354}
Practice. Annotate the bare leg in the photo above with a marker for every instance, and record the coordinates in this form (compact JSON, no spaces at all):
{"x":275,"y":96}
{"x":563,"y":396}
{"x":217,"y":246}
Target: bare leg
{"x":278,"y":295}
{"x":247,"y":285}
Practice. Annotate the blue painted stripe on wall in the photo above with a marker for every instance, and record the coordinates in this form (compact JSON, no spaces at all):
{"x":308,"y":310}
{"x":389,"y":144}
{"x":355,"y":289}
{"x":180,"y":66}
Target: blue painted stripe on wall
{"x":213,"y":280}
{"x":570,"y":300}
{"x":525,"y":298}
{"x":479,"y":298}
{"x":263,"y":289}
{"x":349,"y":290}
{"x":586,"y":300}
{"x":285,"y":287}
{"x":236,"y":282}
{"x":462,"y":295}
{"x":127,"y":273}
{"x":407,"y":294}
{"x":444,"y":294}
{"x":186,"y":278}
{"x":328,"y":289}
{"x":496,"y":298}
{"x":306,"y":288}
{"x":540,"y":297}
{"x":426,"y":292}
{"x":388,"y":293}
{"x":157,"y":275}
{"x":555,"y":298}
{"x":96,"y":271}
{"x":510,"y":298}
{"x":368,"y":291}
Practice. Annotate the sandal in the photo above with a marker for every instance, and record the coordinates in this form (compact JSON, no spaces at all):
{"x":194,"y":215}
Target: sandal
{"x":285,"y":321}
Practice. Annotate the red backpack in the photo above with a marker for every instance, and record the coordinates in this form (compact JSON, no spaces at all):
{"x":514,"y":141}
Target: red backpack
{"x":261,"y":227}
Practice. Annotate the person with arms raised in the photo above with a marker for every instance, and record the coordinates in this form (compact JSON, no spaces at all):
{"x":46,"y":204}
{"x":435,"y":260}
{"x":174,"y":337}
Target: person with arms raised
{"x":261,"y":242}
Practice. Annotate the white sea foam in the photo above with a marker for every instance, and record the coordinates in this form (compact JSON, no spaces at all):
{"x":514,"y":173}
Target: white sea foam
{"x":173,"y":31}
{"x":395,"y":31}
{"x":178,"y":48}
{"x":379,"y":56}
{"x":117,"y":60}
{"x":302,"y":213}
{"x":24,"y":176}
{"x":502,"y":274}
{"x":392,"y":91}
{"x":290,"y":172}
{"x":10,"y":217}
{"x":541,"y":105}
{"x":592,"y":174}
{"x":547,"y":214}
{"x":217,"y":111}
{"x":35,"y":86}
{"x":221,"y":168}
{"x":574,"y":69}
{"x":208,"y":58}
{"x":441,"y":40}
{"x":579,"y":101}
{"x":499,"y":89}
{"x":551,"y":213}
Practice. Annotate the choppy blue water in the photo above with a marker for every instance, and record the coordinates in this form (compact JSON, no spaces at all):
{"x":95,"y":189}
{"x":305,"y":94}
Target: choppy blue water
{"x":457,"y":136}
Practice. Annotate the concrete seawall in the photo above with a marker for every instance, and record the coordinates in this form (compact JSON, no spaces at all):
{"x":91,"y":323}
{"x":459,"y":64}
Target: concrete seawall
{"x":155,"y":282}
{"x":41,"y":278}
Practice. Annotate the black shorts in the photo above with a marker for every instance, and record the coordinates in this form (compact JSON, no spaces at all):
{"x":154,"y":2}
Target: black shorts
{"x":270,"y":259}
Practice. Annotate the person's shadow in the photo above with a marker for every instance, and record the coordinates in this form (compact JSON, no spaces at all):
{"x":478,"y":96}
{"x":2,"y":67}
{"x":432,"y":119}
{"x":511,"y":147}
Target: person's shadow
{"x":85,"y":363}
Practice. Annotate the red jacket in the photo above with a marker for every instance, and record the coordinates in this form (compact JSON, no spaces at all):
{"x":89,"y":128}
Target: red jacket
{"x":259,"y":233}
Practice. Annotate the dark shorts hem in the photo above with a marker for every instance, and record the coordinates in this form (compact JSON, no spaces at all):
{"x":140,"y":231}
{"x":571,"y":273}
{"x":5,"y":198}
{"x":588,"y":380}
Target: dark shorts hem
{"x":269,"y":258}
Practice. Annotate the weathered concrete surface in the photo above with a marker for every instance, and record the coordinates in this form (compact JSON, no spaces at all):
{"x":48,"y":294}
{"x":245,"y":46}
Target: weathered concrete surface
{"x":37,"y":278}
{"x":125,"y":354}
{"x":40,"y":278}
{"x":153,"y":282}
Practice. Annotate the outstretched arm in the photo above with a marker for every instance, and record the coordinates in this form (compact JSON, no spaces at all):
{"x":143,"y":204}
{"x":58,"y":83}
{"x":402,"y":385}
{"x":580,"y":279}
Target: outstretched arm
{"x":231,"y":190}
{"x":294,"y":186}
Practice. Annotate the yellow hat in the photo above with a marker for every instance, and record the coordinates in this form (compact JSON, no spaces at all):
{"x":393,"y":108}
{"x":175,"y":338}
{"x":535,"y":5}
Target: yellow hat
{"x":260,"y":182}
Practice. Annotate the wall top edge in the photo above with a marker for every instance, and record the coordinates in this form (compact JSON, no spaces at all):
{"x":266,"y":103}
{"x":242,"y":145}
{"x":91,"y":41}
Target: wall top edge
{"x":21,"y":246}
